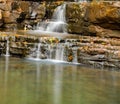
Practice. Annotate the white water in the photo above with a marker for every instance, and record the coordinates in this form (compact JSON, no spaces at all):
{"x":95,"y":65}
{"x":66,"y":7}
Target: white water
{"x":7,"y":47}
{"x":81,"y":0}
{"x":57,"y":23}
{"x":53,"y":53}
{"x":38,"y":53}
{"x":59,"y":52}
{"x":75,"y":56}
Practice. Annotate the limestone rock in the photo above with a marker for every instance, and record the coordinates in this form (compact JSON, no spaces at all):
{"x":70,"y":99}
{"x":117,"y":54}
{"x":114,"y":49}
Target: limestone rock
{"x":96,"y":18}
{"x":6,"y":14}
{"x":24,"y":5}
{"x":40,"y":11}
{"x":75,"y":17}
{"x":105,"y":14}
{"x":102,"y":32}
{"x":2,"y":1}
{"x":0,"y":14}
{"x":1,"y":21}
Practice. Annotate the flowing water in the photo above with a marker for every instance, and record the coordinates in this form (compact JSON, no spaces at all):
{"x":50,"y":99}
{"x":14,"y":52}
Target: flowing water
{"x":57,"y":23}
{"x":81,"y":0}
{"x":53,"y":52}
{"x":27,"y":82}
{"x":7,"y":47}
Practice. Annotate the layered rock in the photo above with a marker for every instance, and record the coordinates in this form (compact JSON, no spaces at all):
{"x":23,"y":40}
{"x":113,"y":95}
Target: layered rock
{"x":87,"y":50}
{"x":17,"y":14}
{"x":87,"y":18}
{"x":75,"y":17}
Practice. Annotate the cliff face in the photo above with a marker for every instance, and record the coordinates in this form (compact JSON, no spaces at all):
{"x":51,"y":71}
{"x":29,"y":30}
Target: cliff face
{"x":18,"y":13}
{"x":96,"y":18}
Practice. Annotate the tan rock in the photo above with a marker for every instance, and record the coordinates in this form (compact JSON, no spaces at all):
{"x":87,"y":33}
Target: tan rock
{"x":102,"y":32}
{"x":106,"y":14}
{"x":0,"y":14}
{"x":24,"y":5}
{"x":6,"y":14}
{"x":2,"y":1}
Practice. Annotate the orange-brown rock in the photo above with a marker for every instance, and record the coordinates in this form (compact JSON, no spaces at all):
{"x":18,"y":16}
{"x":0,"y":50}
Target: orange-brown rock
{"x":105,"y":14}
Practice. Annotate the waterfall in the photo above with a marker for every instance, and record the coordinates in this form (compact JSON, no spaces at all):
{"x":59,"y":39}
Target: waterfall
{"x":38,"y":52}
{"x":59,"y":52}
{"x":57,"y":23}
{"x":75,"y":60}
{"x":81,"y":0}
{"x":55,"y":52}
{"x":35,"y":52}
{"x":7,"y":47}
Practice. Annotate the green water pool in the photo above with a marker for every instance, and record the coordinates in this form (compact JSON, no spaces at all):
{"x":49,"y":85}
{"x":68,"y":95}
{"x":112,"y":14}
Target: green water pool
{"x":30,"y":82}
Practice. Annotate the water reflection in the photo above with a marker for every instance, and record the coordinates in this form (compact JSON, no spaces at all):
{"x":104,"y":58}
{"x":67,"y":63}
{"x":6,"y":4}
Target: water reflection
{"x":26,"y":82}
{"x":6,"y":77}
{"x":57,"y":87}
{"x":6,"y":70}
{"x":37,"y":72}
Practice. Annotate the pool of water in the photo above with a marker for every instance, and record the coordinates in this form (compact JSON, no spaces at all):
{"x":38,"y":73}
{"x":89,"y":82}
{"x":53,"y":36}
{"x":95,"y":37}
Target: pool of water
{"x":28,"y":82}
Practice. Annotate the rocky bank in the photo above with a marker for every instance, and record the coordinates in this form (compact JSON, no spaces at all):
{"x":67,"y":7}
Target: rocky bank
{"x":92,"y":51}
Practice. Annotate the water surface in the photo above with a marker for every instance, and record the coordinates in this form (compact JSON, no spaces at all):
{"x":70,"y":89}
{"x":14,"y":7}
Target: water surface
{"x":27,"y":82}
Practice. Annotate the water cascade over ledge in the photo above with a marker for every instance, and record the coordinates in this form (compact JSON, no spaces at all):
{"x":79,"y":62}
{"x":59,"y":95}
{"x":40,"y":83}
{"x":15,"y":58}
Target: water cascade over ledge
{"x":57,"y":52}
{"x":57,"y":23}
{"x":81,"y":0}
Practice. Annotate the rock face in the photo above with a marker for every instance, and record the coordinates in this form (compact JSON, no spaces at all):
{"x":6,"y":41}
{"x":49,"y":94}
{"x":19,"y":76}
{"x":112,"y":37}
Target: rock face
{"x":83,"y":18}
{"x":17,"y":14}
{"x":75,"y":17}
{"x":87,"y":50}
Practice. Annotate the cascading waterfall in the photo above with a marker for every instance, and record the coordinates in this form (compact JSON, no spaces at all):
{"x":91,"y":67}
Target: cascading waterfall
{"x":57,"y":23}
{"x":81,"y":0}
{"x":7,"y":47}
{"x":38,"y":52}
{"x":59,"y":52}
{"x":75,"y":60}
